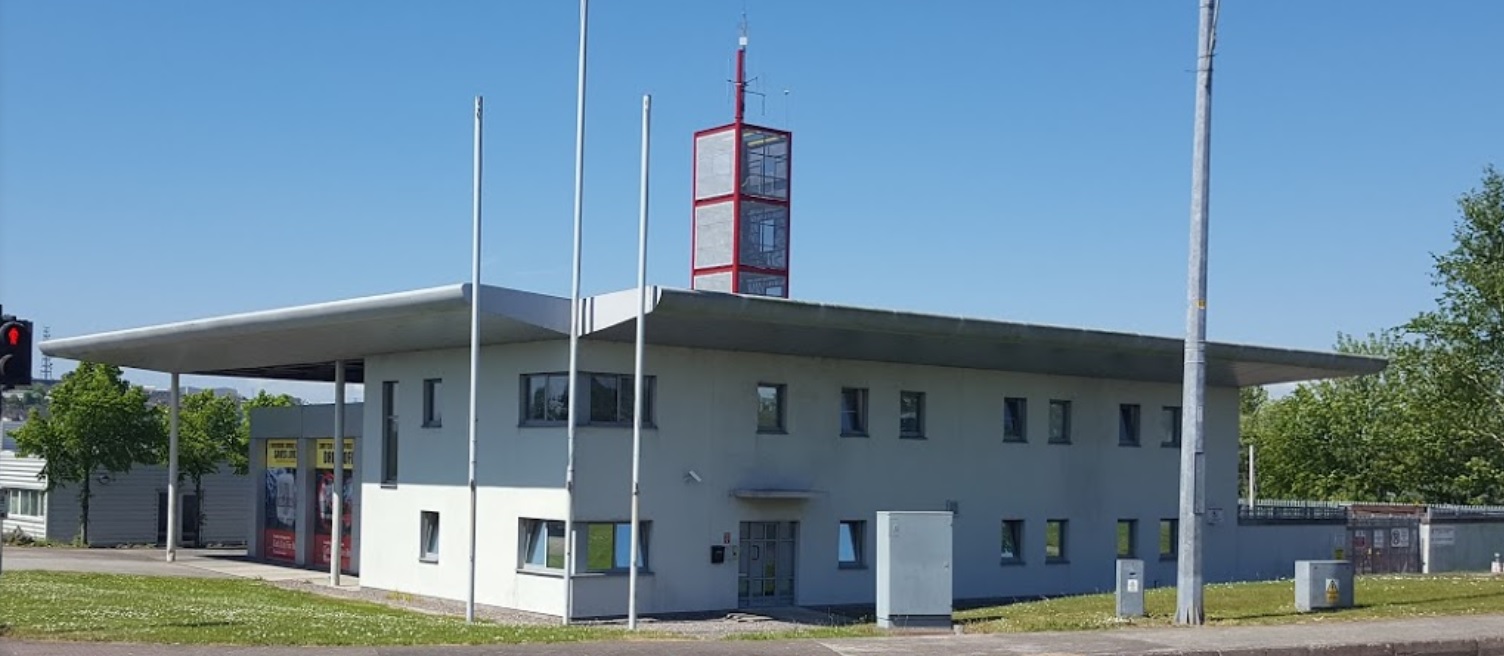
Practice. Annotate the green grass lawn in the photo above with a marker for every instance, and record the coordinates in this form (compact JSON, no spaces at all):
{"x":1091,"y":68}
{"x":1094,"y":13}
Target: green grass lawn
{"x":1376,"y":597}
{"x":38,"y":605}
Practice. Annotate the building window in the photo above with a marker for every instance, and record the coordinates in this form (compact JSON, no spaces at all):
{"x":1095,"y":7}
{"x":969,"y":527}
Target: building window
{"x":389,"y":432}
{"x":850,"y":554}
{"x":1128,"y":424}
{"x":1013,"y":539}
{"x":545,"y":398}
{"x":1015,"y":420}
{"x":608,"y":546}
{"x":433,"y":396}
{"x":1060,"y":422}
{"x":1054,"y":541}
{"x":428,"y":532}
{"x":1127,"y":537}
{"x":911,"y":414}
{"x":1169,"y":538}
{"x":28,"y":503}
{"x":613,"y":399}
{"x":543,"y":544}
{"x":1170,"y":418}
{"x":853,"y":412}
{"x":609,"y":399}
{"x":771,"y":408}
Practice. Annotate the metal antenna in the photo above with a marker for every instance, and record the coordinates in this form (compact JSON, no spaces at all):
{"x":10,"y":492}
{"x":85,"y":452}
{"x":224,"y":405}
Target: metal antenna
{"x":46,"y":359}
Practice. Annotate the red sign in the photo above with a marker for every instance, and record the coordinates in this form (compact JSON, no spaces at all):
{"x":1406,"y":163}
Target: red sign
{"x":281,"y":545}
{"x":321,"y":550}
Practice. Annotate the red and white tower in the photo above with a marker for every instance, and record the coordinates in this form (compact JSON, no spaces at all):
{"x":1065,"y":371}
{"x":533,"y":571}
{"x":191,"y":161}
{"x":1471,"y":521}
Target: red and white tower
{"x":741,"y":203}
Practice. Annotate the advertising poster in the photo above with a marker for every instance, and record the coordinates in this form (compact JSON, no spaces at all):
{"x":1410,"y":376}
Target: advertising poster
{"x":323,"y":530}
{"x":279,"y":531}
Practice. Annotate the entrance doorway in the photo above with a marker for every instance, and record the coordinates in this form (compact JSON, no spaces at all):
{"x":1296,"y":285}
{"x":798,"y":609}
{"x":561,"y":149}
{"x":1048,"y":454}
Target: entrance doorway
{"x":766,"y":574}
{"x":188,"y":520}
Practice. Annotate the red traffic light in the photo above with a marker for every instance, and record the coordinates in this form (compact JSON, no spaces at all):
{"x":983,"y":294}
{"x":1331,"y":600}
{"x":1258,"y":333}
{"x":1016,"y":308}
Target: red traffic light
{"x":13,"y":336}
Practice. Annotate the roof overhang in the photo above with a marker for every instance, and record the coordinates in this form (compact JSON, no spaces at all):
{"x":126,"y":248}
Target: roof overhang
{"x":713,"y":320}
{"x":302,"y":343}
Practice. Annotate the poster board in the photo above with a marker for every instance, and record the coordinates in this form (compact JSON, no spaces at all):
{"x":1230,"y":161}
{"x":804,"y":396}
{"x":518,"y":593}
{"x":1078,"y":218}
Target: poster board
{"x":323,"y":529}
{"x":280,"y":521}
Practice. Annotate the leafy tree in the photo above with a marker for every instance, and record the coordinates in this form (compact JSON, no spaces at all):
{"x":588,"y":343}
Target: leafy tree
{"x":238,"y":452}
{"x":208,"y":427}
{"x":97,"y":422}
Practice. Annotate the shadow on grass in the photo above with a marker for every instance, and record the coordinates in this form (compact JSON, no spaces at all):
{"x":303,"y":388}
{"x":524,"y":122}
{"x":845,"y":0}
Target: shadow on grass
{"x":199,"y":625}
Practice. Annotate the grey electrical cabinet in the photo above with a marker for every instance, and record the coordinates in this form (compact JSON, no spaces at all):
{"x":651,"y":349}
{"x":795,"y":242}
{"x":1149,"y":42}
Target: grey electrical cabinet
{"x":914,"y":569}
{"x":1130,"y":593}
{"x":1321,"y":584}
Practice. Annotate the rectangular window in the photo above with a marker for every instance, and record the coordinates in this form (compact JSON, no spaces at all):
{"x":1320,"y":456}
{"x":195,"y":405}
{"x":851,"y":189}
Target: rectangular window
{"x":608,"y":546}
{"x":543,"y":544}
{"x":1054,"y":541}
{"x":771,"y":408}
{"x":1015,"y":419}
{"x":428,"y":532}
{"x":1060,"y":422}
{"x":433,"y":397}
{"x":853,"y":412}
{"x":1170,"y":425}
{"x":1169,"y":538}
{"x":1013,"y":539}
{"x":849,"y":552}
{"x":911,"y":414}
{"x":389,"y":432}
{"x":545,"y":398}
{"x":1127,"y":537}
{"x":28,"y":503}
{"x":1128,"y":424}
{"x":613,"y":399}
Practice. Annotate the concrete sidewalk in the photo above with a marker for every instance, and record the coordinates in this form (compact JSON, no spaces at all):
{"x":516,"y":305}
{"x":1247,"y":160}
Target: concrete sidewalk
{"x":1447,"y":636}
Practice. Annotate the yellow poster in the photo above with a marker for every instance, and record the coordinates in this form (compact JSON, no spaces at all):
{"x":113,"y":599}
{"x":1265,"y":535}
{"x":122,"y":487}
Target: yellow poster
{"x":325,"y":450}
{"x":281,"y":454}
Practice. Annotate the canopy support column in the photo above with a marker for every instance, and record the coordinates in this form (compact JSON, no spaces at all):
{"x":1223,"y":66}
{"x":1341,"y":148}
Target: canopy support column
{"x":174,"y":524}
{"x":337,"y":538}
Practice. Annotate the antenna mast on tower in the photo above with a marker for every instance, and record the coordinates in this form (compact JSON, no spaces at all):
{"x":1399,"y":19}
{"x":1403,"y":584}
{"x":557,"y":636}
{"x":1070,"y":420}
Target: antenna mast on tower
{"x":46,"y":359}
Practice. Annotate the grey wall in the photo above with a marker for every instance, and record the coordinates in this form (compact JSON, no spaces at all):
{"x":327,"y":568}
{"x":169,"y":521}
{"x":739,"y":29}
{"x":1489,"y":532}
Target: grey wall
{"x":1471,"y":549}
{"x":1269,"y":551}
{"x":123,"y":510}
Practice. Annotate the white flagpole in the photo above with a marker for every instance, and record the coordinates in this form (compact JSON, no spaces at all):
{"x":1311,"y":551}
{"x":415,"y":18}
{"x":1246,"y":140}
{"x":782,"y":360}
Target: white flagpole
{"x":642,"y":297}
{"x":474,"y":354}
{"x":574,"y":325}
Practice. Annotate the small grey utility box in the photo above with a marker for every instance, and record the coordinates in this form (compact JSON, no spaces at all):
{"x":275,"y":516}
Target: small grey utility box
{"x":1321,"y":584}
{"x":914,"y":569}
{"x":1130,"y":587}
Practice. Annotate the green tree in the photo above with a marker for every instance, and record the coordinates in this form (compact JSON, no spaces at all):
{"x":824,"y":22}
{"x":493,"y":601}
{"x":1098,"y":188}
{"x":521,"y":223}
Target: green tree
{"x":238,"y":452}
{"x":208,"y":428}
{"x":96,"y":423}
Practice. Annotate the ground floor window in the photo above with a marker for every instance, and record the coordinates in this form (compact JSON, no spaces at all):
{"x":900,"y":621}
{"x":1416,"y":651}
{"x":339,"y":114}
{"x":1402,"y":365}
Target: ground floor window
{"x":543,"y":544}
{"x":428,"y":529}
{"x":608,"y":546}
{"x":849,"y":550}
{"x":1169,"y":538}
{"x":28,"y":503}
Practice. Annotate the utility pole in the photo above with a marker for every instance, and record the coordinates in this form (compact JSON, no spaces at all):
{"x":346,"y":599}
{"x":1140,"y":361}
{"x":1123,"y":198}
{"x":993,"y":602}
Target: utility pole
{"x":1188,"y":582}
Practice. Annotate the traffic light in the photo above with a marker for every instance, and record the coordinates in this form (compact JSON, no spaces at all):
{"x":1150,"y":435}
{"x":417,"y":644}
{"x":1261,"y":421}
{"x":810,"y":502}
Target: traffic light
{"x":15,"y":352}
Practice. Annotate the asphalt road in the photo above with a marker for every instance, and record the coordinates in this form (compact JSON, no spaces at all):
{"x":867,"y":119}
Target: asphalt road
{"x":149,"y":562}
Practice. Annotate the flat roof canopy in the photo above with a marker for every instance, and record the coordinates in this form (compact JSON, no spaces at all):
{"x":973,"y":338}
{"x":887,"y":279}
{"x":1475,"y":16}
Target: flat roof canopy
{"x":302,"y":343}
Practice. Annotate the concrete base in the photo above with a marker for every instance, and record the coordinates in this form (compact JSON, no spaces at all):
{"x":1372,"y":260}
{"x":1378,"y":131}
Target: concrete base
{"x":915,"y":622}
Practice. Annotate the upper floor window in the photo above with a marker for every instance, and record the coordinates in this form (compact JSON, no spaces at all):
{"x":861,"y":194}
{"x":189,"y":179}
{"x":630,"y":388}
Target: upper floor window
{"x":1015,"y":419}
{"x":607,"y":399}
{"x":1170,"y":418}
{"x":853,"y":412}
{"x":433,"y":403}
{"x":911,"y":414}
{"x":772,"y":411}
{"x":1128,"y":424}
{"x":1060,"y":422}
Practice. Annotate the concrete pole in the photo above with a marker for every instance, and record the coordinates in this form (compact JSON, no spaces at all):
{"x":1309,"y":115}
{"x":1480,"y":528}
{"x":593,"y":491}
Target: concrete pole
{"x":574,"y":321}
{"x":1253,"y":481}
{"x":1188,"y":607}
{"x":336,"y":543}
{"x":174,"y":525}
{"x":637,"y":404}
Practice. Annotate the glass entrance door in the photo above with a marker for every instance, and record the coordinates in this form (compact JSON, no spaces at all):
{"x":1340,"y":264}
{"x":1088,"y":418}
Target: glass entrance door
{"x":766,"y":574}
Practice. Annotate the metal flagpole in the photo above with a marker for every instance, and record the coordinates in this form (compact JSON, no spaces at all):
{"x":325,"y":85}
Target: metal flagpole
{"x":642,"y":298}
{"x":474,"y":350}
{"x":337,"y":528}
{"x":574,"y":324}
{"x":1189,"y":608}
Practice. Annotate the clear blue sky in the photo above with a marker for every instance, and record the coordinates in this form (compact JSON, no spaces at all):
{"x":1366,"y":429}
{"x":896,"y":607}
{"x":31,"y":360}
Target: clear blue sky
{"x":1029,"y":161}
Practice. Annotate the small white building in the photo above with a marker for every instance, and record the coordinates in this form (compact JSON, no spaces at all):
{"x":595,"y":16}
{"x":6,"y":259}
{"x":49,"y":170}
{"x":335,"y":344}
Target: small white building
{"x":127,"y":508}
{"x":776,"y":430}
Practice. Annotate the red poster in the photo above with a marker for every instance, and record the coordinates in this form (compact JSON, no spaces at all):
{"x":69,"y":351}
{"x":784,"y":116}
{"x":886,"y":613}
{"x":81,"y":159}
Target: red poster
{"x":321,"y":551}
{"x":281,"y":545}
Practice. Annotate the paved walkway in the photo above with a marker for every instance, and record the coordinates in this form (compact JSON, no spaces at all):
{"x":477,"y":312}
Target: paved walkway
{"x":1472,"y":636}
{"x":208,"y":563}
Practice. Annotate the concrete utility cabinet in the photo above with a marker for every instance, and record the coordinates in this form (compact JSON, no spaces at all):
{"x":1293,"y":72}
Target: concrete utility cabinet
{"x":1130,"y":595}
{"x":1322,"y":584}
{"x":914,"y":569}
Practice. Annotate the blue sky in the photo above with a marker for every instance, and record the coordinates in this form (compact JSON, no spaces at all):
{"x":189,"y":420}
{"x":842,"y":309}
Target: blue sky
{"x":1019,"y":160}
